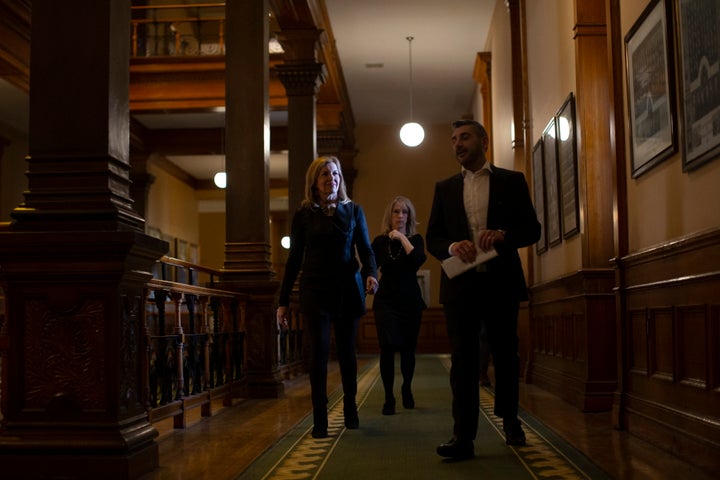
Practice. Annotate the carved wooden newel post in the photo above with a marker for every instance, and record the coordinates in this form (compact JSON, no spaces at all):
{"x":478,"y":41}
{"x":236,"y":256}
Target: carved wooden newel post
{"x":75,"y":261}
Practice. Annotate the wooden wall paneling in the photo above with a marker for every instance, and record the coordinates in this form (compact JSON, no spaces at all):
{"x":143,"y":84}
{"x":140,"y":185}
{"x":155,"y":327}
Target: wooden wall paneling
{"x":573,"y":323}
{"x":671,"y":396}
{"x":432,"y":337}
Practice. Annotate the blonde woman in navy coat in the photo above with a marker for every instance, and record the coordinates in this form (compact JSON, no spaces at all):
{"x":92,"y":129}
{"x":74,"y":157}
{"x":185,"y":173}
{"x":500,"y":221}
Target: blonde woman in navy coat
{"x":328,"y":234}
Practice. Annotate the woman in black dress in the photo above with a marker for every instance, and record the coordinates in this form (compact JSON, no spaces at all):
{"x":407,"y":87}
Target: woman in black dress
{"x":398,"y":305}
{"x":328,"y":235}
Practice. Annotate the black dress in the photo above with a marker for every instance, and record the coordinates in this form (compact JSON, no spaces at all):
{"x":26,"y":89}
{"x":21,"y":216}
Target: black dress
{"x":398,"y":307}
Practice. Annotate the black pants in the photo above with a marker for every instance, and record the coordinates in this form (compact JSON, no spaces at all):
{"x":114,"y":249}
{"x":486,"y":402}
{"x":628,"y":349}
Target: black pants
{"x":464,"y":323}
{"x":319,"y":329}
{"x":398,"y":331}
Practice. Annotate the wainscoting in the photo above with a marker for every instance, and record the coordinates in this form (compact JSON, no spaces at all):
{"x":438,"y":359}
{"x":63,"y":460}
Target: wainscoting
{"x":670,"y":385}
{"x":573,"y":341}
{"x":432,"y":338}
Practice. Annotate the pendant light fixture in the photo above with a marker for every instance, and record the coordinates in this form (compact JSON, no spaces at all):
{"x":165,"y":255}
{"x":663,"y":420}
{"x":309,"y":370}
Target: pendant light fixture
{"x":412,"y":133}
{"x":220,"y":177}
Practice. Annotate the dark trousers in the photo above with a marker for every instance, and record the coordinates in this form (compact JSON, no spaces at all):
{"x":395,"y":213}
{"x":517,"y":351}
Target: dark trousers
{"x":464,"y":323}
{"x":319,"y":329}
{"x":398,"y":331}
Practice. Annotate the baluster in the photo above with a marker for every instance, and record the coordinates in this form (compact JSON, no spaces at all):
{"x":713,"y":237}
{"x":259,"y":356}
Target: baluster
{"x":145,"y":360}
{"x":227,"y":328}
{"x":193,"y":352}
{"x":207,"y":340}
{"x":180,"y":354}
{"x":163,"y":354}
{"x":217,"y":363}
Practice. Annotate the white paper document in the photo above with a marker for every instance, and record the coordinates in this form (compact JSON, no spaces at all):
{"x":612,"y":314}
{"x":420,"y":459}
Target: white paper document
{"x":454,"y":266}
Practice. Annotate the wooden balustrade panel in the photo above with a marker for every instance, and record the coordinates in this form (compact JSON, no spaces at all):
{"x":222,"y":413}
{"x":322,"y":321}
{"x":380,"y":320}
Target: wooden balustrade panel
{"x":195,"y":344}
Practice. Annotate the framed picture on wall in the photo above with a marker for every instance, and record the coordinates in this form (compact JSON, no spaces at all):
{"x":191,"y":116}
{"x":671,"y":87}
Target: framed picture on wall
{"x":651,"y":88}
{"x":699,"y":53}
{"x":552,"y":187}
{"x":538,"y":175}
{"x":567,"y":166}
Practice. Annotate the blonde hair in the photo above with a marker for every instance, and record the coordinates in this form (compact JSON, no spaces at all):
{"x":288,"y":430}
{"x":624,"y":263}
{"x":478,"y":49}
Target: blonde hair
{"x":411,"y":220}
{"x":311,"y":176}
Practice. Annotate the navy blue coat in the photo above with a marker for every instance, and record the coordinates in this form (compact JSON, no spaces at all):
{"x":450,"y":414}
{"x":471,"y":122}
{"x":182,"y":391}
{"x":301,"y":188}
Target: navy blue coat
{"x":324,"y":248}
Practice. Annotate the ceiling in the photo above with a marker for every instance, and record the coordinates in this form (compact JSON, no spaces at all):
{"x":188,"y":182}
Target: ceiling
{"x":374,"y":55}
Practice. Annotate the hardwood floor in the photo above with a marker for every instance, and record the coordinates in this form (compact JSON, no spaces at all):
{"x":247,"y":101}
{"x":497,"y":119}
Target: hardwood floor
{"x":224,"y":445}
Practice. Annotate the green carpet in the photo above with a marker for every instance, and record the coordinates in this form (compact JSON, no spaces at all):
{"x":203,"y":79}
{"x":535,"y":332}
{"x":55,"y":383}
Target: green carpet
{"x":403,"y":445}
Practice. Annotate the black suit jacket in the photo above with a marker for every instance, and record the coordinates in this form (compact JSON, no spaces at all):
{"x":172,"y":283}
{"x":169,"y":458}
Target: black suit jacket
{"x":509,"y":209}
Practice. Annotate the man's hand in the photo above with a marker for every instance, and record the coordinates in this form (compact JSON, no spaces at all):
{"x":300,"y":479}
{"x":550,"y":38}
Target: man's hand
{"x":465,"y":250}
{"x":488,"y":239}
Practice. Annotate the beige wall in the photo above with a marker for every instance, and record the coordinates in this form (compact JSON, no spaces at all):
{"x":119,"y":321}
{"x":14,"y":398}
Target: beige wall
{"x":388,"y":168}
{"x":551,"y":63}
{"x":665,"y":203}
{"x":551,"y":74}
{"x":172,"y":206}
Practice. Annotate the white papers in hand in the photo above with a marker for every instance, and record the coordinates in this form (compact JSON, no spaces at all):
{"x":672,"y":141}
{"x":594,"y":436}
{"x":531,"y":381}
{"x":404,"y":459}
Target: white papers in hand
{"x":454,"y":266}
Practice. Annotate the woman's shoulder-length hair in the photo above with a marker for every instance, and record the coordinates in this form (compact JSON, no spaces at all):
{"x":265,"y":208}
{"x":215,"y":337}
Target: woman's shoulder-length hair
{"x":311,"y":176}
{"x":410,"y":225}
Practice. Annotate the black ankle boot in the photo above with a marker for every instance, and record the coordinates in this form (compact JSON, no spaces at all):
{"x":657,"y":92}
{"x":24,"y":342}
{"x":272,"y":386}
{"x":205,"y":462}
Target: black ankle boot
{"x":389,"y":407}
{"x":352,"y":421}
{"x":407,"y":397}
{"x":320,"y":424}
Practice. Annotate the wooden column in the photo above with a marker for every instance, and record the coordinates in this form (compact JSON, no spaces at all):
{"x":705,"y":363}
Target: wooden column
{"x":248,"y":265}
{"x":596,"y":161}
{"x":74,"y":262}
{"x":301,"y":76}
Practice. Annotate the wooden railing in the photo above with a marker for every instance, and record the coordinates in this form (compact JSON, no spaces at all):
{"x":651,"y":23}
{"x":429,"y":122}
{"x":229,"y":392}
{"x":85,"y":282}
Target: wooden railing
{"x":292,"y":342}
{"x":195,"y":340}
{"x":195,"y":337}
{"x":187,"y":29}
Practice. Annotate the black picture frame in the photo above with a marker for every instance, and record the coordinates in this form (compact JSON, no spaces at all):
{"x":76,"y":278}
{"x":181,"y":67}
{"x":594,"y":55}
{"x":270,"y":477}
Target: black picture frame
{"x":651,"y":88}
{"x":538,"y":173}
{"x":552,"y":185}
{"x":699,"y":73}
{"x":567,"y":167}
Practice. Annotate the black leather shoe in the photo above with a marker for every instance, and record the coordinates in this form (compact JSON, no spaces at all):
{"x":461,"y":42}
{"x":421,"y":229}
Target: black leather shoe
{"x":389,"y":407}
{"x":457,"y":449}
{"x":514,"y":434}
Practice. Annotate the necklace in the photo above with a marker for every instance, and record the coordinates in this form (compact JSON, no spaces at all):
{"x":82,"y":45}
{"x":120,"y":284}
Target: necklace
{"x":395,"y":255}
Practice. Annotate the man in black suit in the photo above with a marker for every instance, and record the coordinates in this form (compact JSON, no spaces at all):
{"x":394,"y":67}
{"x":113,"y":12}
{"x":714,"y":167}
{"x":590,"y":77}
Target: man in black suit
{"x":480,"y":208}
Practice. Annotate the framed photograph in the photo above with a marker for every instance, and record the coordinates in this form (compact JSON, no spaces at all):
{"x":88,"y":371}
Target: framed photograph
{"x":567,"y":166}
{"x":193,"y":253}
{"x":651,"y":88}
{"x":699,"y":54}
{"x":538,"y":175}
{"x":552,"y":187}
{"x":181,"y":249}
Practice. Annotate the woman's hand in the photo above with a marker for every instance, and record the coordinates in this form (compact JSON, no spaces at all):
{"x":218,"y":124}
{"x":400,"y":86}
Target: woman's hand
{"x":396,"y":235}
{"x":371,"y":285}
{"x":281,"y":316}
